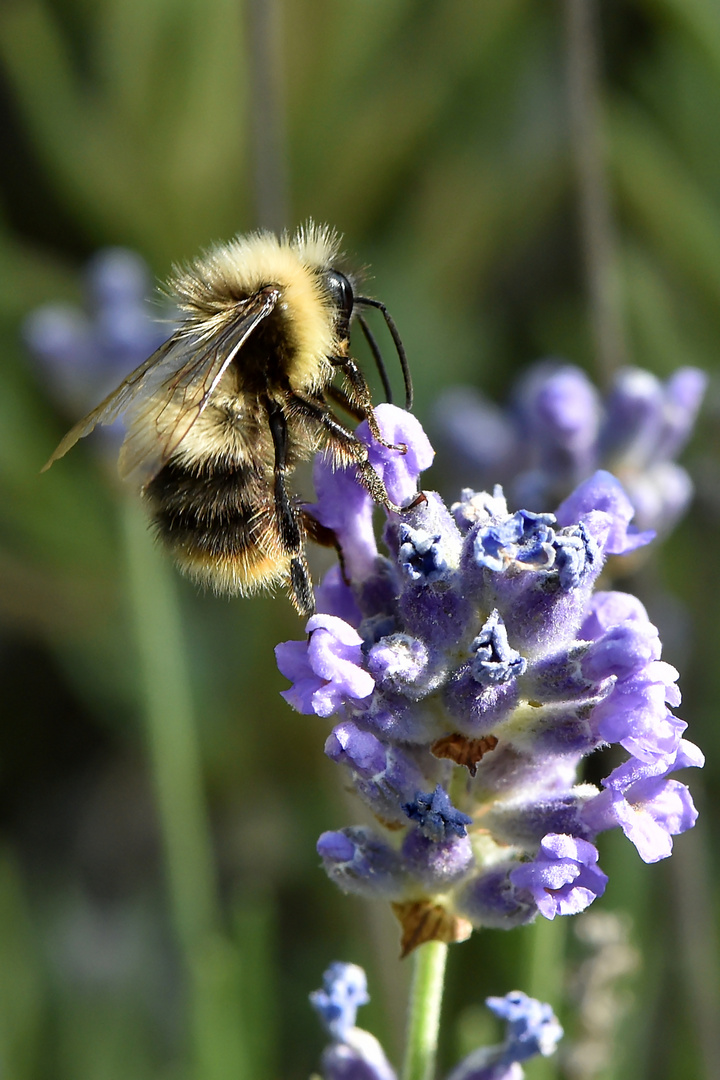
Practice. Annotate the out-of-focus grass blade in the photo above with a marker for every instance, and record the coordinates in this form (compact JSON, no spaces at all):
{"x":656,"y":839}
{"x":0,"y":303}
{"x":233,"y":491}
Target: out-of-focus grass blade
{"x":254,"y":930}
{"x":664,"y":202}
{"x":23,"y":995}
{"x":665,"y":330}
{"x":545,"y":978}
{"x":159,"y":164}
{"x":219,"y":1029}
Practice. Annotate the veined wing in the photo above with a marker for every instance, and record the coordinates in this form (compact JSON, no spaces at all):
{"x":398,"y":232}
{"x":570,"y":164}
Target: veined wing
{"x":173,"y":386}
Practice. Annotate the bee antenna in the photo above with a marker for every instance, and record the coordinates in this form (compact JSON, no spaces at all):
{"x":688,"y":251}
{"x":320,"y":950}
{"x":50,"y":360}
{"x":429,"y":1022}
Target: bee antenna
{"x":377,"y":355}
{"x":400,"y":348}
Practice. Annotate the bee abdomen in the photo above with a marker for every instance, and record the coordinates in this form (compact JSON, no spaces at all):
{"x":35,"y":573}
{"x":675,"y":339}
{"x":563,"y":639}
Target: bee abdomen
{"x":220,"y":525}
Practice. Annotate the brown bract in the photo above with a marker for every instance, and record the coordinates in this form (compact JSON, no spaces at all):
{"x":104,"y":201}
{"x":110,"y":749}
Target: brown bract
{"x":422,"y":921}
{"x":464,"y":751}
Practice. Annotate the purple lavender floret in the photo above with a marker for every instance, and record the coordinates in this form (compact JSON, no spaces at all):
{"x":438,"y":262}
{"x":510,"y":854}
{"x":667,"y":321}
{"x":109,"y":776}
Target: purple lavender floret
{"x":558,"y":432}
{"x":494,"y":661}
{"x":326,"y":670}
{"x":648,"y":806}
{"x":344,"y":991}
{"x":85,"y":353}
{"x":531,"y":1030}
{"x":469,"y":669}
{"x":354,"y":1054}
{"x":563,"y":878}
{"x":437,"y":818}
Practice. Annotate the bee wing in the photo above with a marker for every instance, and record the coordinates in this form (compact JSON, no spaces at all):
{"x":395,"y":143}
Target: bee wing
{"x":171,"y":388}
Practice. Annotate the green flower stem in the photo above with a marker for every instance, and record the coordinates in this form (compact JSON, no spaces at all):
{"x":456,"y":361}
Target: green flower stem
{"x":424,"y":1010}
{"x":167,"y":702}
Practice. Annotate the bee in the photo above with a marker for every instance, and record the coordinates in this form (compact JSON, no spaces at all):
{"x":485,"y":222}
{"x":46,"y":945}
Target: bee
{"x":221,"y":414}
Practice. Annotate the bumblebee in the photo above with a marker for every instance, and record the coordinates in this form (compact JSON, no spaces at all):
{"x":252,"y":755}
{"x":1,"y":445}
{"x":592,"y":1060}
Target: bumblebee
{"x":220,"y":415}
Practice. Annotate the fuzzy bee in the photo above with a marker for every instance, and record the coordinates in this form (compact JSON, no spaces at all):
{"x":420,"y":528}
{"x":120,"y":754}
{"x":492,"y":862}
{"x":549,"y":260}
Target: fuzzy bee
{"x":219,"y":416}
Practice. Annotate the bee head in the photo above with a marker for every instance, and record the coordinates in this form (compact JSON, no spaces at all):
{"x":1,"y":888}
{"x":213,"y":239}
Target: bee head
{"x":341,"y":292}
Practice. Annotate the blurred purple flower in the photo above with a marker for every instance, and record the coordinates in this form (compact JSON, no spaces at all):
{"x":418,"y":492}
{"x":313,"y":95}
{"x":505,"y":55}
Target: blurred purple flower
{"x":558,"y":431}
{"x":83,"y":354}
{"x":531,"y":1030}
{"x":354,"y":1054}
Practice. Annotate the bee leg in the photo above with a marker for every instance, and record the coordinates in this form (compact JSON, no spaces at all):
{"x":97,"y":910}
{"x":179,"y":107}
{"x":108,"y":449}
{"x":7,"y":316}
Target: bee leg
{"x":289,"y":519}
{"x":301,"y":590}
{"x":361,"y":392}
{"x":352,"y":449}
{"x":325,"y":537}
{"x":345,"y":402}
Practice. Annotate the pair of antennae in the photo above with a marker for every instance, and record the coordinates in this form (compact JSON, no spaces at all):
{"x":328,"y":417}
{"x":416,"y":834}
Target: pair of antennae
{"x":377,"y":355}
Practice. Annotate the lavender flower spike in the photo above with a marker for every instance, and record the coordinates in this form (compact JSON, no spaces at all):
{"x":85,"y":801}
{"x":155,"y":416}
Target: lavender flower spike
{"x":469,"y":668}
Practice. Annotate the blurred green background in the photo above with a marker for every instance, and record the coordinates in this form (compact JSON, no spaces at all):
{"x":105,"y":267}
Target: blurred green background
{"x":162,"y":914}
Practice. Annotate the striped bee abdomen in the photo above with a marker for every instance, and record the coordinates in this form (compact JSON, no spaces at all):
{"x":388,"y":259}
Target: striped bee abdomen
{"x":220,"y":524}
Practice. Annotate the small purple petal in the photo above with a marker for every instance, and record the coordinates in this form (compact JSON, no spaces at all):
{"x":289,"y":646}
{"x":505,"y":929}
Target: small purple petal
{"x":399,"y":471}
{"x":560,"y":411}
{"x":622,"y":651}
{"x":385,"y":776}
{"x":358,"y":861}
{"x":116,"y":277}
{"x":326,"y":669}
{"x":334,"y":597}
{"x":650,"y":808}
{"x":563,"y":878}
{"x":345,"y":507}
{"x":660,"y":493}
{"x":603,"y":491}
{"x":607,"y":609}
{"x":684,"y":392}
{"x":336,"y":847}
{"x":635,"y":713}
{"x":634,"y":417}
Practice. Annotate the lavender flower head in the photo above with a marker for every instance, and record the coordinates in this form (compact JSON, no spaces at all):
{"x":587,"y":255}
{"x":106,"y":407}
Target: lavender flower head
{"x":558,"y":431}
{"x":355,"y":1054}
{"x":83,"y":354}
{"x":469,"y":670}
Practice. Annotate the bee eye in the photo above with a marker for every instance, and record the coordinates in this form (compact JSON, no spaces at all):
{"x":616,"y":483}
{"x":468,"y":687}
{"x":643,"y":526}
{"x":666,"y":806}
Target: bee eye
{"x":341,"y":291}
